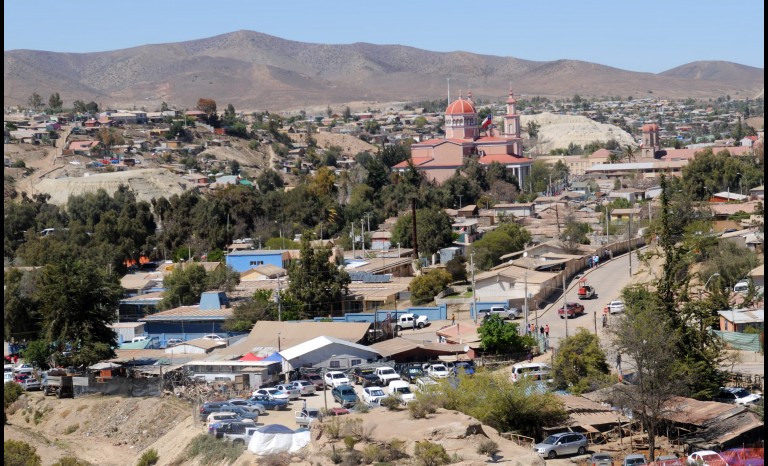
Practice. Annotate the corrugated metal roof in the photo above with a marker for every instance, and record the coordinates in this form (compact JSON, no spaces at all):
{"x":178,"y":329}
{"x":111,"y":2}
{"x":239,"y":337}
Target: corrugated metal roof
{"x":321,"y":342}
{"x":699,"y":413}
{"x":265,"y":334}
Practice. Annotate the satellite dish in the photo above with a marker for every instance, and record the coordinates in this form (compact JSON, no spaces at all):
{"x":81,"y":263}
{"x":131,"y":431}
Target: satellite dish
{"x":525,"y":254}
{"x":466,"y":348}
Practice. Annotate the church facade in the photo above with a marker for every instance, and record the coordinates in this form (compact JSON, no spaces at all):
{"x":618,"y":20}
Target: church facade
{"x":465,"y":137}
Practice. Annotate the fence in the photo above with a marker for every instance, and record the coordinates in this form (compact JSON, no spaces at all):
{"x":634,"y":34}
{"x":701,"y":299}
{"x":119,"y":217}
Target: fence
{"x":122,"y":386}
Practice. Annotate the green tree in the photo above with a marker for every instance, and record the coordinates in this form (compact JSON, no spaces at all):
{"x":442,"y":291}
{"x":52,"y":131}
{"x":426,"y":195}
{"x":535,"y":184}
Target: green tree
{"x":183,"y":286}
{"x":261,"y":306}
{"x":38,"y":353}
{"x":532,"y":128}
{"x":18,"y":453}
{"x":419,"y":122}
{"x":580,"y":364}
{"x":19,"y":304}
{"x":457,"y":267}
{"x":78,"y":302}
{"x":500,"y":337}
{"x":55,"y":103}
{"x":650,"y":347}
{"x":492,"y":398}
{"x":424,"y":287}
{"x":505,"y":239}
{"x":79,"y":106}
{"x":315,"y":281}
{"x":223,"y":278}
{"x":433,"y":231}
{"x":92,"y":107}
{"x":35,"y":101}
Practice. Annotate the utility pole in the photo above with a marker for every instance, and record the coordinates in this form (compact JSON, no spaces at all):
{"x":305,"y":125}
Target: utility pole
{"x":362,"y":235}
{"x":629,"y":236}
{"x":279,"y":303}
{"x":565,"y":305}
{"x":352,"y":235}
{"x":557,"y":219}
{"x":413,"y":223}
{"x":474,"y":290}
{"x":525,"y":284}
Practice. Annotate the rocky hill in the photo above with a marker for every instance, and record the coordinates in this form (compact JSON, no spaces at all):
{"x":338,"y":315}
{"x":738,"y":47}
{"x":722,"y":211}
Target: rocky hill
{"x":256,"y":71}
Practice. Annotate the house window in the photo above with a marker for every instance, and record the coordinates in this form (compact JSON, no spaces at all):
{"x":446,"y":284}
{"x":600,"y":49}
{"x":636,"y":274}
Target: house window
{"x":335,"y":364}
{"x":356,"y":362}
{"x":256,"y":263}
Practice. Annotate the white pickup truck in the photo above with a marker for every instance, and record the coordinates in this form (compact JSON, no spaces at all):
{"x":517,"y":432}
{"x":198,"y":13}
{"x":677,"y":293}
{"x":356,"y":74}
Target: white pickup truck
{"x":406,"y":321}
{"x":385,"y":374}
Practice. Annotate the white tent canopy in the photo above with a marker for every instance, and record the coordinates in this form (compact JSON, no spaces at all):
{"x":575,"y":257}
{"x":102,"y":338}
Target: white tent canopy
{"x":276,"y":438}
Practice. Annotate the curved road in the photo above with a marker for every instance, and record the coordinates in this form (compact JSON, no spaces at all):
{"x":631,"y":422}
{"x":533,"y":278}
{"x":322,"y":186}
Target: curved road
{"x":608,"y":280}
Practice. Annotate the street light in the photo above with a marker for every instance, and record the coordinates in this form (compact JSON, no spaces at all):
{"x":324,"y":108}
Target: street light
{"x":707,"y":283}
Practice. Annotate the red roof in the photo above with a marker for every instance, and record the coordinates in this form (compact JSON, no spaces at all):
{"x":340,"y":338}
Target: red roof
{"x":650,"y":127}
{"x":460,"y":107}
{"x":504,"y":159}
{"x":250,"y":357}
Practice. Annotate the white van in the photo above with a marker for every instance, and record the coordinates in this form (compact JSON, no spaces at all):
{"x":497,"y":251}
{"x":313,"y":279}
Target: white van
{"x":402,"y":389}
{"x":535,"y":370}
{"x":741,"y":287}
{"x":139,"y":338}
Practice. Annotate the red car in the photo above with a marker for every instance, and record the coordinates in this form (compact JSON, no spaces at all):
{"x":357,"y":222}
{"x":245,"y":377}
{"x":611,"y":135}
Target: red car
{"x":571,"y":310}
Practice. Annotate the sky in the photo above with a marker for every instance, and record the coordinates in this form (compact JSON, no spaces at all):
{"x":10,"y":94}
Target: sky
{"x":649,"y":35}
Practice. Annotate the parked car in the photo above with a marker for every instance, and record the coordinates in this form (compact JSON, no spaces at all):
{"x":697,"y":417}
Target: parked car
{"x":289,"y":389}
{"x":424,"y":384}
{"x":221,"y":428}
{"x":373,"y":395}
{"x":364,"y":376}
{"x":668,"y":460}
{"x":438,"y":371}
{"x":706,"y":458}
{"x":501,"y":311}
{"x":615,"y":307}
{"x":304,"y":386}
{"x":336,"y":379}
{"x":741,"y":287}
{"x":241,"y":412}
{"x":269,"y":402}
{"x":601,"y":459}
{"x":406,"y":321}
{"x":307,"y":416}
{"x":214,"y":336}
{"x":248,"y":405}
{"x":411,"y":373}
{"x":316,"y":380}
{"x":272,"y":393}
{"x":345,"y":395}
{"x":228,"y":416}
{"x":241,"y":436}
{"x":402,"y":390}
{"x":635,"y":459}
{"x":740,"y":396}
{"x":564,"y":443}
{"x":213,"y":407}
{"x":30,"y":383}
{"x":533,"y":370}
{"x":571,"y":310}
{"x":464,"y":367}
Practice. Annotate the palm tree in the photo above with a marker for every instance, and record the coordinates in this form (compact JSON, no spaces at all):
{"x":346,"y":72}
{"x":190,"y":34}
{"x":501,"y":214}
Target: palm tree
{"x":629,"y":153}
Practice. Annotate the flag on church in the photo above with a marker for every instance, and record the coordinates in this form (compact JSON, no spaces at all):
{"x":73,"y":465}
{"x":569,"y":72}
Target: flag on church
{"x":487,"y":122}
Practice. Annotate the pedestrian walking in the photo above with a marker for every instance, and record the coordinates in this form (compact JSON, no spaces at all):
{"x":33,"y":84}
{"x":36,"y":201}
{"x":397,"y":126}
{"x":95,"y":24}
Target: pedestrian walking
{"x":453,"y":319}
{"x":414,"y":324}
{"x":530,"y":356}
{"x":533,"y":329}
{"x":605,"y":320}
{"x":541,"y":330}
{"x":589,"y":262}
{"x":618,"y":361}
{"x":546,"y":331}
{"x":596,"y":260}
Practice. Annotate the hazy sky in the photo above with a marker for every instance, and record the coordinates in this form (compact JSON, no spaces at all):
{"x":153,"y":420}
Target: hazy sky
{"x":647,"y":35}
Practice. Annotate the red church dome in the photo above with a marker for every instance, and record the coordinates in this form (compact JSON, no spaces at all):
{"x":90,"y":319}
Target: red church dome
{"x":460,"y":107}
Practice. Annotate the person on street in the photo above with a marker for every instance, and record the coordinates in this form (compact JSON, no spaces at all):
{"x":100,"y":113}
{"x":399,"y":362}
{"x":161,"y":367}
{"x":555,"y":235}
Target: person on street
{"x":530,"y":356}
{"x":546,"y":331}
{"x":453,"y":319}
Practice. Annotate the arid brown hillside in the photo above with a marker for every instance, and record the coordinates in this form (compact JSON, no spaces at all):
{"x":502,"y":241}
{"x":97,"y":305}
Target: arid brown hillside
{"x":256,"y":71}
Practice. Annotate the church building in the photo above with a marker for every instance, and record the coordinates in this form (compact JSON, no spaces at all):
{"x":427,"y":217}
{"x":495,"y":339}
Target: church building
{"x":466,"y":136}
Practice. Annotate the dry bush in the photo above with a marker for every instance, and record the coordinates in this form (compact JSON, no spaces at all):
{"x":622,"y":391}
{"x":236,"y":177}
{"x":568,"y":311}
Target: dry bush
{"x":333,"y":428}
{"x":417,"y":410}
{"x":360,"y":430}
{"x":275,"y":459}
{"x":71,"y":429}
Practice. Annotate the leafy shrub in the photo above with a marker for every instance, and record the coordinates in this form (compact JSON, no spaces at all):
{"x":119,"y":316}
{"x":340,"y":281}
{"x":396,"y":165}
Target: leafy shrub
{"x":335,"y":456}
{"x":211,"y":450}
{"x":148,"y":458}
{"x":396,"y":448}
{"x":72,"y":428}
{"x":373,"y":453}
{"x":391,"y":402}
{"x":430,"y":454}
{"x":359,"y":430}
{"x":17,"y":453}
{"x":488,"y":448}
{"x":19,"y":164}
{"x":333,"y":428}
{"x":11,"y":392}
{"x":350,"y":442}
{"x":362,"y":407}
{"x":71,"y":461}
{"x":417,"y":410}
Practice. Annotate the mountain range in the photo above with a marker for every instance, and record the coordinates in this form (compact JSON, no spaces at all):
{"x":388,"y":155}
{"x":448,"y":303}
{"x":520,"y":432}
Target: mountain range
{"x":255,"y":71}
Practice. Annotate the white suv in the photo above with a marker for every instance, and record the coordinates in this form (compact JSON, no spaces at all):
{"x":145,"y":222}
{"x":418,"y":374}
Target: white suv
{"x":336,"y":379}
{"x":615,"y":307}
